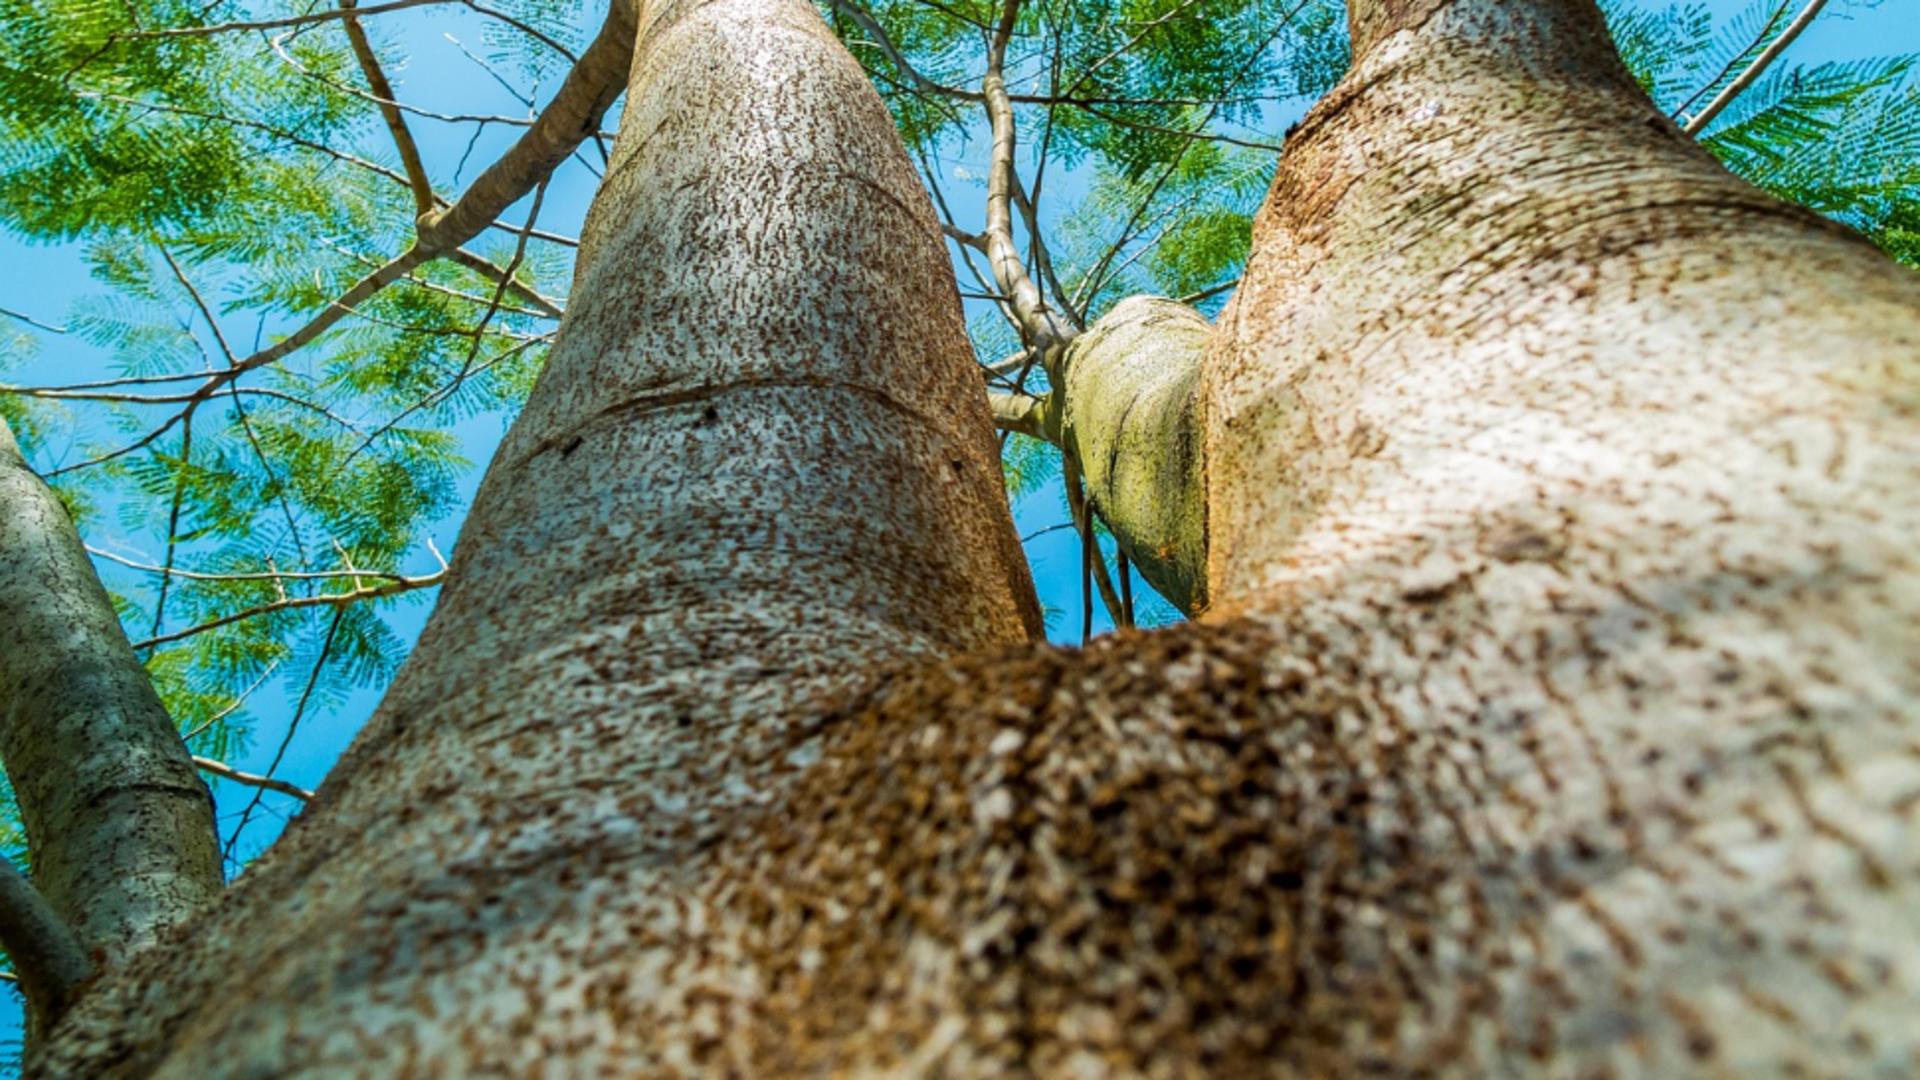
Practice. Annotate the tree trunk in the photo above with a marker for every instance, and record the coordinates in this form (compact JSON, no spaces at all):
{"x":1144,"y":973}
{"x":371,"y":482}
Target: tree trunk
{"x":120,"y":824}
{"x":1555,"y":709}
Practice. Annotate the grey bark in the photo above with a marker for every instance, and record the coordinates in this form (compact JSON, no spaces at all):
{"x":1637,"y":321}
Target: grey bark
{"x":120,"y":824}
{"x":758,"y":468}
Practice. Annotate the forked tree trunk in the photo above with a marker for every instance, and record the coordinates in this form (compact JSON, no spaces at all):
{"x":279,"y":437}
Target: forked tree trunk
{"x":1556,"y":706}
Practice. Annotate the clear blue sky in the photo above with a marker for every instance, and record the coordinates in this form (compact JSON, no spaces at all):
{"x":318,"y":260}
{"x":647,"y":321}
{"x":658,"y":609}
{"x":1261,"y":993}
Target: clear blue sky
{"x":44,"y":282}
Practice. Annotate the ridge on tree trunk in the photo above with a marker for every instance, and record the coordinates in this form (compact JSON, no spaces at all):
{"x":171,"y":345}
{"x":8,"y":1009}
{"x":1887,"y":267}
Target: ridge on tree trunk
{"x":1554,"y":710}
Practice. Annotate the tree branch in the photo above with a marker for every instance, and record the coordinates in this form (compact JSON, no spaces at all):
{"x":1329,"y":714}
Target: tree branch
{"x":486,"y":268}
{"x":416,"y":170}
{"x":120,"y":825}
{"x":293,"y":726}
{"x":343,"y":599}
{"x":228,"y":772}
{"x":31,"y":321}
{"x":1096,"y":563}
{"x":1759,"y":40}
{"x":1754,"y":70}
{"x":1027,"y":414}
{"x":1043,"y":330}
{"x":46,"y":955}
{"x":568,"y":120}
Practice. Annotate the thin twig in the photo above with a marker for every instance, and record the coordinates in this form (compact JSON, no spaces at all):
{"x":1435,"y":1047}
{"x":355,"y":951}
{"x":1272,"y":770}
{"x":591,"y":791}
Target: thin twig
{"x":1726,"y":69}
{"x":1082,"y":512}
{"x":273,"y":24}
{"x":234,"y":705}
{"x":299,"y":710}
{"x":1754,"y":70}
{"x":1208,"y":293}
{"x":338,"y":600}
{"x":1037,"y":533}
{"x":525,"y":28}
{"x":228,"y":772}
{"x":31,"y":321}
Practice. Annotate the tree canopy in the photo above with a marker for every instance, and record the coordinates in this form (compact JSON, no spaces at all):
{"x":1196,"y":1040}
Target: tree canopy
{"x":307,"y":280}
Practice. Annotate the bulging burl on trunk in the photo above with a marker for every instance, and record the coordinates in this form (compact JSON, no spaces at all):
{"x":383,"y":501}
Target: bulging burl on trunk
{"x":1132,"y":419}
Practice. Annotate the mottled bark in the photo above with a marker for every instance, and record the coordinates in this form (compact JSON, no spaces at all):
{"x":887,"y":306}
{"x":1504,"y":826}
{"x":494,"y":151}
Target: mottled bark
{"x":758,"y":467}
{"x":120,"y":824}
{"x":1575,"y":479}
{"x":1554,"y":711}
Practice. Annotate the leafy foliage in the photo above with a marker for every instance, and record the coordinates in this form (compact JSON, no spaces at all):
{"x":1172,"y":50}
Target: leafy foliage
{"x":1842,"y":138}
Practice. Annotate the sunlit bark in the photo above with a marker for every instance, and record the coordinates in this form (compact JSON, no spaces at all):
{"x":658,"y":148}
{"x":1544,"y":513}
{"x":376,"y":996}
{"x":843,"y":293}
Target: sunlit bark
{"x":1554,"y":708}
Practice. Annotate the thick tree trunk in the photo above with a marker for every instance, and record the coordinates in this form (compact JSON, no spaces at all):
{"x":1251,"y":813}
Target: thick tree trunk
{"x":1555,"y":709}
{"x":758,"y":468}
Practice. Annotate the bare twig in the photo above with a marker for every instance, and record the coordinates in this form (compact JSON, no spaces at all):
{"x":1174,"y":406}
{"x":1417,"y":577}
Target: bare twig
{"x":1083,"y":520}
{"x":1754,"y":70}
{"x":31,"y":321}
{"x":523,"y":27}
{"x":228,"y":772}
{"x":293,"y":725}
{"x":1208,"y":293}
{"x":1037,"y":533}
{"x":274,"y":24}
{"x":234,"y":705}
{"x":338,"y":600}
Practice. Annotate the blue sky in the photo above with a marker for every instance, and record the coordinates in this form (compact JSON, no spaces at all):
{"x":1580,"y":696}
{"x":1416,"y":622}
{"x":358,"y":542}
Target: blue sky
{"x":44,"y":282}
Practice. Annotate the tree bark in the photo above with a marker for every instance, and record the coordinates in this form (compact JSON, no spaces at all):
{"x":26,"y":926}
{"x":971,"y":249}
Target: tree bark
{"x":1586,"y":472}
{"x":1131,"y":416}
{"x":120,"y":825}
{"x":758,"y":468}
{"x":1554,"y":709}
